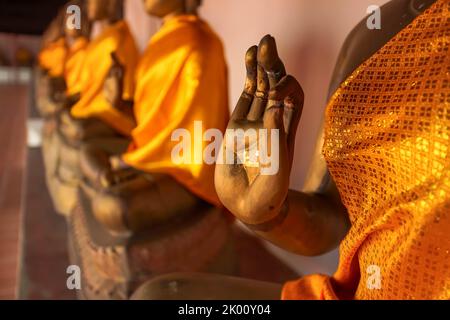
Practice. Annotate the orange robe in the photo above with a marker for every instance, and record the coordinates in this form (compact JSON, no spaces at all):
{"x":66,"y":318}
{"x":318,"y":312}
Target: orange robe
{"x":97,"y":63}
{"x":74,"y":64}
{"x":182,"y":78}
{"x":53,"y":57}
{"x":387,"y":145}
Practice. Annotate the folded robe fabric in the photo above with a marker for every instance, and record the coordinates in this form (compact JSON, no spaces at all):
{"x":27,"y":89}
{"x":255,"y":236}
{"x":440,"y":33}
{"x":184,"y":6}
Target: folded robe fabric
{"x":181,"y":79}
{"x":97,"y":63}
{"x":387,"y":146}
{"x":53,"y":57}
{"x":74,"y":64}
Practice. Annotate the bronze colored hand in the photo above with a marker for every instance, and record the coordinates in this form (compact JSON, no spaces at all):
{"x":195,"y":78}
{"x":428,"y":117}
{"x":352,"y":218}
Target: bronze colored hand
{"x":113,"y":86}
{"x":271,"y":100}
{"x":109,"y":177}
{"x":101,"y":169}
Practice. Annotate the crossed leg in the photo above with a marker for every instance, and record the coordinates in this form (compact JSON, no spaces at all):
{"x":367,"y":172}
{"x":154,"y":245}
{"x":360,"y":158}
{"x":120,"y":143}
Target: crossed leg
{"x":125,"y":199}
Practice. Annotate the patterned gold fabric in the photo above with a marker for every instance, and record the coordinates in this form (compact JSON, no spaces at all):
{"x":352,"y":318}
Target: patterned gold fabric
{"x":387,"y":146}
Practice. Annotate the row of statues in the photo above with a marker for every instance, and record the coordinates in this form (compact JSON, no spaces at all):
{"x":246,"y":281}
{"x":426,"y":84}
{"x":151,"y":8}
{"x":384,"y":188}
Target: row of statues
{"x":378,"y":185}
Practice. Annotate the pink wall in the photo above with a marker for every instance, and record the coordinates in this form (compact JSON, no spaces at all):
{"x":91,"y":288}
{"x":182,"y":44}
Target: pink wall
{"x":140,"y":23}
{"x":309,"y":34}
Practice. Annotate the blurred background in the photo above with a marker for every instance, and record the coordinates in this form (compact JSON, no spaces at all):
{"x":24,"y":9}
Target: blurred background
{"x":309,"y":34}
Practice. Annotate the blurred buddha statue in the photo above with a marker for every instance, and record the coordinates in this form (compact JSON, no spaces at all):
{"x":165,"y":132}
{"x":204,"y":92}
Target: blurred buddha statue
{"x":50,"y":64}
{"x":140,"y":215}
{"x":379,"y":184}
{"x":53,"y":50}
{"x":87,"y":114}
{"x":194,"y":88}
{"x":49,"y":86}
{"x":57,"y":96}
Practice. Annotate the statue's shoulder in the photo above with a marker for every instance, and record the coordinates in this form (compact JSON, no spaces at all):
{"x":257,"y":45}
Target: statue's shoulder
{"x":363,"y":41}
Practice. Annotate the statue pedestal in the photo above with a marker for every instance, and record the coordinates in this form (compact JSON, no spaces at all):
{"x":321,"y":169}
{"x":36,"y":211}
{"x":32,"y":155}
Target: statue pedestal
{"x":114,"y":266}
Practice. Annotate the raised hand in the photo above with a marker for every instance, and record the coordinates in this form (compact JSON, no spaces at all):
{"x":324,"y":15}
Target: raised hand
{"x":273,"y":101}
{"x":113,"y":86}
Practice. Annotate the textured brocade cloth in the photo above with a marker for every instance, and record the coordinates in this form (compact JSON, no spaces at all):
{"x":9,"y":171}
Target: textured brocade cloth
{"x":181,"y":79}
{"x":387,"y":146}
{"x":53,"y":57}
{"x":97,"y":63}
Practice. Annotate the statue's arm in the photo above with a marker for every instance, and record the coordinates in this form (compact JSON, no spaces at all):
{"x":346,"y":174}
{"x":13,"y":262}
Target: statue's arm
{"x":312,"y":221}
{"x":309,"y":222}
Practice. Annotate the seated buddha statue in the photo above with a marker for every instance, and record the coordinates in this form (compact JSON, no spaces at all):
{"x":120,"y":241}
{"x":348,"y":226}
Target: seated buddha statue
{"x":156,"y":216}
{"x":50,"y":65}
{"x":59,"y":45}
{"x":89,"y":115}
{"x":379,"y":184}
{"x":165,"y":99}
{"x":57,"y":95}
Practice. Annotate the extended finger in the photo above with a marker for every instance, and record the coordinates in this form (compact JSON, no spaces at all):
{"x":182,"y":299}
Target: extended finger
{"x":269,"y":59}
{"x":243,"y":105}
{"x":260,"y":100}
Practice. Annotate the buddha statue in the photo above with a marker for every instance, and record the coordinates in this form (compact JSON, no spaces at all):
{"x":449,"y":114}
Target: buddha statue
{"x":88,"y":114}
{"x":371,"y":188}
{"x":57,"y":96}
{"x":49,"y":88}
{"x":138,"y":215}
{"x":188,"y":41}
{"x":50,"y":64}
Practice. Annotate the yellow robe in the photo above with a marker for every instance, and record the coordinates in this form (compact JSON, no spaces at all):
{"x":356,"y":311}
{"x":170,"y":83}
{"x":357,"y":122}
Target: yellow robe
{"x":53,"y":57}
{"x":74,"y":64}
{"x":97,"y":63}
{"x":182,"y":78}
{"x":387,"y":145}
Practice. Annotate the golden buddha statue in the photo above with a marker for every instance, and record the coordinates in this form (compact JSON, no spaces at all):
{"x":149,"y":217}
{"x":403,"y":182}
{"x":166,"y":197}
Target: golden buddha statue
{"x":63,"y":58}
{"x":379,"y":183}
{"x":50,"y":64}
{"x":87,"y":114}
{"x":185,"y":42}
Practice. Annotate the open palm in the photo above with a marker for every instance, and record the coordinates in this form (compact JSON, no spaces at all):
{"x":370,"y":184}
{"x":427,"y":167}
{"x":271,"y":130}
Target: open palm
{"x":272,"y":101}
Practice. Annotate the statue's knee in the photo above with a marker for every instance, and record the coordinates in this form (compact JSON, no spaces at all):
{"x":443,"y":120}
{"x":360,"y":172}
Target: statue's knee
{"x":199,"y":286}
{"x":111,"y":212}
{"x":166,"y":287}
